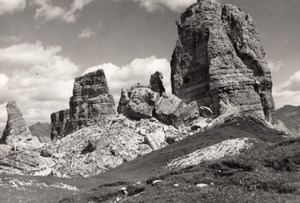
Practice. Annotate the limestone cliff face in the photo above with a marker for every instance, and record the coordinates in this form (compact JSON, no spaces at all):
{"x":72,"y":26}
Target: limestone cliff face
{"x":90,"y":102}
{"x":219,"y":61}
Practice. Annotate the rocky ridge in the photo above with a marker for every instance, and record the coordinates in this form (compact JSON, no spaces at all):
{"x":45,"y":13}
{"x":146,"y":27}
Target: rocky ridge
{"x":219,"y":61}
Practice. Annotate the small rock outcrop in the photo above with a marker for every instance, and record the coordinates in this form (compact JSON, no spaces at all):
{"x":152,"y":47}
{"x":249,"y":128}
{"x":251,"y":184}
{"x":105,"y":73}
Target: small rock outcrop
{"x":141,"y":102}
{"x":16,"y":134}
{"x":90,"y":103}
{"x":219,"y":61}
{"x":156,"y":83}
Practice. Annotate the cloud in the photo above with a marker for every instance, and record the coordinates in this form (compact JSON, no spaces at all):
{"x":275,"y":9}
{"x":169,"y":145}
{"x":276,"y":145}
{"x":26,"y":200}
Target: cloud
{"x":46,"y":11}
{"x":11,"y":6}
{"x":27,"y":54}
{"x":3,"y":80}
{"x":86,"y":33}
{"x":276,"y":65}
{"x":288,"y":92}
{"x":41,"y":82}
{"x":173,"y":5}
{"x":138,"y":71}
{"x":11,"y":39}
{"x":3,"y":117}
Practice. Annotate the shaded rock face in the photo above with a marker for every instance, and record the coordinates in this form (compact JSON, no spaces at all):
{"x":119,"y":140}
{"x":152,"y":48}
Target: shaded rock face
{"x":141,"y":102}
{"x":219,"y":61}
{"x":16,"y":134}
{"x":42,"y":131}
{"x":90,"y":102}
{"x":290,"y":117}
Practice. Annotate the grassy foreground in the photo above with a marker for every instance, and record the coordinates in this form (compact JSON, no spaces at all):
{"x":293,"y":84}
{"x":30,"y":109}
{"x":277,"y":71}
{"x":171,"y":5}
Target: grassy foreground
{"x":267,"y":173}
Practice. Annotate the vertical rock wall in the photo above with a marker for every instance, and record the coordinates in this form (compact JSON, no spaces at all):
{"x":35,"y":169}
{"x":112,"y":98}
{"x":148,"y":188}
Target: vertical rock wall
{"x":90,"y":102}
{"x":219,"y":61}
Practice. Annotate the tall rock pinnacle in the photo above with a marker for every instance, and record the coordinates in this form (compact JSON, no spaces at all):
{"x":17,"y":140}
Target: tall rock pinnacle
{"x":219,"y":61}
{"x":90,"y":102}
{"x":16,"y":133}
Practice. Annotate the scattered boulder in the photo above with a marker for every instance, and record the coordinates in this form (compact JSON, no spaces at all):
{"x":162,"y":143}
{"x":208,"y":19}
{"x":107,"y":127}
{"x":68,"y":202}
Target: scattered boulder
{"x":139,"y":103}
{"x":205,"y":111}
{"x":219,"y":61}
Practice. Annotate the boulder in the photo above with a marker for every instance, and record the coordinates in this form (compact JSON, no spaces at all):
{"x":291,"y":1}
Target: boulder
{"x":219,"y":61}
{"x":166,"y":107}
{"x":205,"y":111}
{"x":152,"y":102}
{"x":138,"y":102}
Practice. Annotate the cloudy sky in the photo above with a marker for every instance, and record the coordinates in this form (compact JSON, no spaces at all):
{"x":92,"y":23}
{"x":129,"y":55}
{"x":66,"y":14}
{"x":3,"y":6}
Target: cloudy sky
{"x":45,"y":44}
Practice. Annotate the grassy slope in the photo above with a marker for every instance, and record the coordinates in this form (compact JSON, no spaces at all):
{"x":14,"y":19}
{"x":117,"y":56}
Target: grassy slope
{"x":226,"y":182}
{"x":268,"y":173}
{"x":153,"y":163}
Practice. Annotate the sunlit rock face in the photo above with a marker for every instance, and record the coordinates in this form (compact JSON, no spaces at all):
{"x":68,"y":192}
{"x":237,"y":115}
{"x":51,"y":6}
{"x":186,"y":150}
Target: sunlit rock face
{"x":219,"y":61}
{"x":90,"y":103}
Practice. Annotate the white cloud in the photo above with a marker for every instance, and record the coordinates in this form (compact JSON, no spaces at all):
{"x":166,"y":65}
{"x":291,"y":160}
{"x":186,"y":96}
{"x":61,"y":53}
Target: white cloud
{"x":11,"y":6}
{"x":11,"y":39}
{"x":138,"y":71}
{"x":41,"y":83}
{"x":288,"y":92}
{"x":46,"y":11}
{"x":3,"y":117}
{"x":174,"y":5}
{"x":86,"y":33}
{"x":275,"y":65}
{"x":3,"y":80}
{"x":27,"y":54}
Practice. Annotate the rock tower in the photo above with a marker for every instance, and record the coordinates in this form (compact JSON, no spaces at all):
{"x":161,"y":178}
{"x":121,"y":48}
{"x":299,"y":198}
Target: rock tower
{"x":219,"y":61}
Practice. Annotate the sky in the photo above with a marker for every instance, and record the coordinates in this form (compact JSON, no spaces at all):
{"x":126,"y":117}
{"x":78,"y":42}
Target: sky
{"x":45,"y":44}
